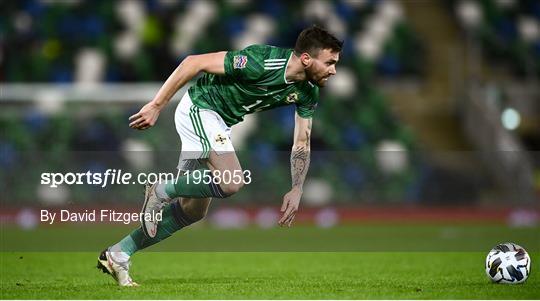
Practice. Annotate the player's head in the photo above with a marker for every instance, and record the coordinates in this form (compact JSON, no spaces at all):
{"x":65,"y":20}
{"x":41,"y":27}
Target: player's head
{"x":318,"y":51}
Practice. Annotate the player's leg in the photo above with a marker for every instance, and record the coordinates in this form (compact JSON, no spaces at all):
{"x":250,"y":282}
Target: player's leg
{"x":195,"y":209}
{"x":175,"y":216}
{"x":206,"y":182}
{"x":115,"y":260}
{"x":226,"y":162}
{"x":205,"y":138}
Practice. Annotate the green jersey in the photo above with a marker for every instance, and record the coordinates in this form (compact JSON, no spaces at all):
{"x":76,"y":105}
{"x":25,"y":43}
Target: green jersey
{"x":254,"y":81}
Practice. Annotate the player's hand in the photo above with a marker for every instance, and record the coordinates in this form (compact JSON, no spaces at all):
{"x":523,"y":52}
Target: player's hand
{"x":145,"y":118}
{"x":291,"y":201}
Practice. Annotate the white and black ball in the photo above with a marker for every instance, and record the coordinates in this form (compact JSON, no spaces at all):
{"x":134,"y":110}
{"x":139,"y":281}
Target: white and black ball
{"x":508,"y":263}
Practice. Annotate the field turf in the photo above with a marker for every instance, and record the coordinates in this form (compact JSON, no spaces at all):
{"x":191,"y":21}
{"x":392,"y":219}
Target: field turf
{"x":377,"y":274}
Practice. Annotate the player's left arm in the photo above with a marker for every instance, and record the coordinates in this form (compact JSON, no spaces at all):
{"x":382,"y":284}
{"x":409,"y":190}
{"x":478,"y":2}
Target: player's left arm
{"x":300,"y":156}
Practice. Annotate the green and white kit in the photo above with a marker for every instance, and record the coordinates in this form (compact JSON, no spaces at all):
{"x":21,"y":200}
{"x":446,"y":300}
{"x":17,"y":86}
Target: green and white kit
{"x":254,"y":81}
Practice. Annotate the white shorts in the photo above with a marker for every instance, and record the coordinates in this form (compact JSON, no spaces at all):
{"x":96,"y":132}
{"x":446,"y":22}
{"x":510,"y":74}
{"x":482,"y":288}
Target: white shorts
{"x":201,"y":131}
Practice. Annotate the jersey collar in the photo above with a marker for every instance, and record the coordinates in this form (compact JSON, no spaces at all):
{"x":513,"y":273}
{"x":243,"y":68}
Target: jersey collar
{"x":285,"y":71}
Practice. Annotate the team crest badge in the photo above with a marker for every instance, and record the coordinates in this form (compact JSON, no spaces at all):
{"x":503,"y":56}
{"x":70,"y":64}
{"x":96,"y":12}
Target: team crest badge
{"x":220,"y":139}
{"x":292,"y":98}
{"x":239,"y":61}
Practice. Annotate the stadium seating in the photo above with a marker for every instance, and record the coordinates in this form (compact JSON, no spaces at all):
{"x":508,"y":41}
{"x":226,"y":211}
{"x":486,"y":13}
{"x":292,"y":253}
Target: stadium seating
{"x":509,"y":32}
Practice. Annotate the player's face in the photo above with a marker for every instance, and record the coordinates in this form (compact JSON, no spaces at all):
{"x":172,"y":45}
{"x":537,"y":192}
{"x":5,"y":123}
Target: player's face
{"x":322,"y":67}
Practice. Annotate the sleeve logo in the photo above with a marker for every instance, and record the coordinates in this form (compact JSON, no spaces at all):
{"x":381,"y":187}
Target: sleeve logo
{"x":239,"y":61}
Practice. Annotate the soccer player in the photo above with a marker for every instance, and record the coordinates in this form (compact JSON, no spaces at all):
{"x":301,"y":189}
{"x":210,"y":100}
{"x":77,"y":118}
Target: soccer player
{"x":235,"y":83}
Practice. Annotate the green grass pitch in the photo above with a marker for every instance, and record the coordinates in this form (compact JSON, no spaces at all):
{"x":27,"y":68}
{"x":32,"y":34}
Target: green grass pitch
{"x":175,"y":274}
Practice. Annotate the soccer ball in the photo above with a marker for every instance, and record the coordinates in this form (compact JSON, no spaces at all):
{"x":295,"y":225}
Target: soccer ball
{"x":508,"y":263}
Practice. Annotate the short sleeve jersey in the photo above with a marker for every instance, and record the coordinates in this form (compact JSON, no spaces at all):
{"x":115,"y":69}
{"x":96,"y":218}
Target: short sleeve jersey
{"x":254,"y":81}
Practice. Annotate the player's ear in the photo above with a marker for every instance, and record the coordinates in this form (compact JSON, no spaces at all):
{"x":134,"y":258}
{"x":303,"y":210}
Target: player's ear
{"x":306,"y":59}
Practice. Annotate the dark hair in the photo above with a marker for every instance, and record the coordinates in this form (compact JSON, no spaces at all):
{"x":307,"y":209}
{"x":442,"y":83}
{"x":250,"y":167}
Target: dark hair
{"x":314,"y":38}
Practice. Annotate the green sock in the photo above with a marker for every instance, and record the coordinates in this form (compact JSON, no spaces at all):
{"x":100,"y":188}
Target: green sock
{"x":173,"y":220}
{"x":192,"y":185}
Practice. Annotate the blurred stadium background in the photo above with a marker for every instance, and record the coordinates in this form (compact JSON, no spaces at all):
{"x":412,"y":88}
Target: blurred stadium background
{"x":434,"y":113}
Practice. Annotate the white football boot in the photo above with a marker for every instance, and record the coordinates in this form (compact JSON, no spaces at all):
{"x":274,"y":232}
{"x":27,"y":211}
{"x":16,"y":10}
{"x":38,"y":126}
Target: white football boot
{"x":118,"y":270}
{"x":152,"y":205}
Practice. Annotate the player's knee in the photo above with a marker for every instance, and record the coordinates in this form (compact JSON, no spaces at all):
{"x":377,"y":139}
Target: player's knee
{"x":233,"y":184}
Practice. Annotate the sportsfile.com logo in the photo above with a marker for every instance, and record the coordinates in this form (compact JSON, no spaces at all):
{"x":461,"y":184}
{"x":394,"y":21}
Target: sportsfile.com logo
{"x":119,"y":177}
{"x":103,"y":179}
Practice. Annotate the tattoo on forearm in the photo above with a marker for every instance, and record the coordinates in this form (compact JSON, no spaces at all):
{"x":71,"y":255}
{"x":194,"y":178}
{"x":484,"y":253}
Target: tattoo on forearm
{"x":300,"y":159}
{"x":300,"y":164}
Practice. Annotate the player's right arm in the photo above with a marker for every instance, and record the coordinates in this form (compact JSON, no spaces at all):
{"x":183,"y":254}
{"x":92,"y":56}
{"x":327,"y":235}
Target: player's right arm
{"x":188,"y":69}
